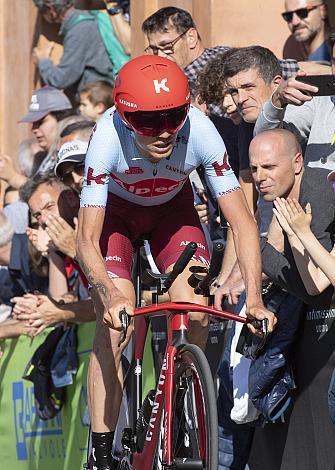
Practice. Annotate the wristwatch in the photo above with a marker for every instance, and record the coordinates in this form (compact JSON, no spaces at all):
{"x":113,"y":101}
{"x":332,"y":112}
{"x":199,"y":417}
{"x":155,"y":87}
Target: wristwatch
{"x":114,"y":9}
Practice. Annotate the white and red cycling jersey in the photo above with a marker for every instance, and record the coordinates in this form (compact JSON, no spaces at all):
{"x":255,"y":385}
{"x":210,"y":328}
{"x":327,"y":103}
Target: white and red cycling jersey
{"x":115,"y":164}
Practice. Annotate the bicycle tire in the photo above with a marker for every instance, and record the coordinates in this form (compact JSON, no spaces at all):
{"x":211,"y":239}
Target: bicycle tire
{"x":192,"y":447}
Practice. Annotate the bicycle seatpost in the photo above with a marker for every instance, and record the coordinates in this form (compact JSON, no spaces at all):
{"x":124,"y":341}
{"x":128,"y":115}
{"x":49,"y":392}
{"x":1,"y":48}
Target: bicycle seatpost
{"x":213,"y":270}
{"x":181,"y":264}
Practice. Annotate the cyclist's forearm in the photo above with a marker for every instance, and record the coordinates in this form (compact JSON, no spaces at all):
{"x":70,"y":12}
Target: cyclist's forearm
{"x":229,"y":259}
{"x":90,"y":223}
{"x":249,"y":259}
{"x":91,"y":262}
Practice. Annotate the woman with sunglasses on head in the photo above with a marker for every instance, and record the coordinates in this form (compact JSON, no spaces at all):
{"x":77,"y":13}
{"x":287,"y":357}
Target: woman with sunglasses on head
{"x":136,"y":183}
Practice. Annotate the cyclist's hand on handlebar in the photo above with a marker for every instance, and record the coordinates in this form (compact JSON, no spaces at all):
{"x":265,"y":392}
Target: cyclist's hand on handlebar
{"x":259,"y":312}
{"x":112,"y":311}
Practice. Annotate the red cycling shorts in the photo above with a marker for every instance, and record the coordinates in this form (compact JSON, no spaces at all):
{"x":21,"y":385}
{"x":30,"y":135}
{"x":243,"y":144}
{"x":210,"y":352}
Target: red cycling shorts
{"x":169,"y":227}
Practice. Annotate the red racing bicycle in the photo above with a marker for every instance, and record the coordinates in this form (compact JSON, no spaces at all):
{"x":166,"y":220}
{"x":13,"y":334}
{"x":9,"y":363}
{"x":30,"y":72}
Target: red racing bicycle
{"x":175,"y":427}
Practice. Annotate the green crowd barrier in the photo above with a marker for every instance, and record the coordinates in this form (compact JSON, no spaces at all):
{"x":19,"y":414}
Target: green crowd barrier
{"x":28,"y":443}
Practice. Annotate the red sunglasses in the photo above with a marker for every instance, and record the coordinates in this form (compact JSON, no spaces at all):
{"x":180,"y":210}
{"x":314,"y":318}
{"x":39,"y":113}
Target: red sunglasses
{"x":152,"y":123}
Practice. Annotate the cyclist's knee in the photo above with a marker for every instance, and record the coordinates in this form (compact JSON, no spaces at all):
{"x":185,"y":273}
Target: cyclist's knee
{"x":199,"y":317}
{"x":107,"y":339}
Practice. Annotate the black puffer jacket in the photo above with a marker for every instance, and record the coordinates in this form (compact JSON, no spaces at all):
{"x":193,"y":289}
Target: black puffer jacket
{"x":270,"y":375}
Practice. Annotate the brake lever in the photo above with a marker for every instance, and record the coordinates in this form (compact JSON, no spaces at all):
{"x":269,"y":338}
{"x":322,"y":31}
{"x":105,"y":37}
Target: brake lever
{"x":124,"y":319}
{"x":262,"y":326}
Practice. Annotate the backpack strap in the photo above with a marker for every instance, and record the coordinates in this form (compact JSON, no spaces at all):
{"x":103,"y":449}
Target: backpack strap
{"x":80,"y":18}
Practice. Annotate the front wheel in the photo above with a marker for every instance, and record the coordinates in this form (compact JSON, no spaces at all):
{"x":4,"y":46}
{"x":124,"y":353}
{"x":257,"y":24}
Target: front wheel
{"x":194,"y":414}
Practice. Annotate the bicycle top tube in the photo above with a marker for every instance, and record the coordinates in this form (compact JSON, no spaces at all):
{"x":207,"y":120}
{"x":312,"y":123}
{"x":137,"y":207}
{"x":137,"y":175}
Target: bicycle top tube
{"x":176,"y":307}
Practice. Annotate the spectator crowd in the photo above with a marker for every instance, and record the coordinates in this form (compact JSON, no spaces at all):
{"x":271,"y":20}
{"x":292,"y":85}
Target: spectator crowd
{"x":280,"y":139}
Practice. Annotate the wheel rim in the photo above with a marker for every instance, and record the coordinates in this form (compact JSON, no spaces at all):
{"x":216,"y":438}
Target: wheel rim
{"x":190,"y":428}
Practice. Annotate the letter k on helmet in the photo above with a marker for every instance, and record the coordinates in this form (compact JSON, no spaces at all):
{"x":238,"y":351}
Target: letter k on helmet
{"x":161,"y":85}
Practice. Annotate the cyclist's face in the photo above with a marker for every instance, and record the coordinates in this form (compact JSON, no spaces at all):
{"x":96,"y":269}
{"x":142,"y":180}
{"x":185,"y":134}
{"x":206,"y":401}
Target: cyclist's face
{"x":156,"y":148}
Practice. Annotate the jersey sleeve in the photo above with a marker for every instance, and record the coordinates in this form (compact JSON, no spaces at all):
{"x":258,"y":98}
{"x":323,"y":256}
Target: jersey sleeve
{"x":101,"y":157}
{"x":212,"y":152}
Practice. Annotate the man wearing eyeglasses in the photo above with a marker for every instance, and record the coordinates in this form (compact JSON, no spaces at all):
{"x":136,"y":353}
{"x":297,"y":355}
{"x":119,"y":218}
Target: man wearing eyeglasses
{"x":172,"y":33}
{"x":309,"y":24}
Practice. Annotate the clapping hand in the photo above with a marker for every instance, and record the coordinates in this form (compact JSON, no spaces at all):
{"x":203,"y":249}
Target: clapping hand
{"x":62,"y":235}
{"x":40,"y":240}
{"x":292,"y":217}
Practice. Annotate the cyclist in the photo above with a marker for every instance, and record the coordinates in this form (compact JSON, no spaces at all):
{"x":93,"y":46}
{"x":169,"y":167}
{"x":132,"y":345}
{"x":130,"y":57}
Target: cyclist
{"x":136,"y":183}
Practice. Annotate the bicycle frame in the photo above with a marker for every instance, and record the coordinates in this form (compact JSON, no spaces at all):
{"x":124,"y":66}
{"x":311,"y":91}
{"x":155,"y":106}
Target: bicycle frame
{"x":177,"y":326}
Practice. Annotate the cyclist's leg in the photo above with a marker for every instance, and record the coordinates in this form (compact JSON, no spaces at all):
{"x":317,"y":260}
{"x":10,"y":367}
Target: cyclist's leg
{"x":105,"y":371}
{"x":198,"y":321}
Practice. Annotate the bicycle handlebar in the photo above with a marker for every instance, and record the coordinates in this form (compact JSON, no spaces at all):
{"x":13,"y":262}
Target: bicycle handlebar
{"x":213,"y":270}
{"x":181,"y":264}
{"x":167,"y":308}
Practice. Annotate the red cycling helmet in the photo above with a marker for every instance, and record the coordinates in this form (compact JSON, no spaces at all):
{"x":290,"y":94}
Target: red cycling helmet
{"x":151,"y":94}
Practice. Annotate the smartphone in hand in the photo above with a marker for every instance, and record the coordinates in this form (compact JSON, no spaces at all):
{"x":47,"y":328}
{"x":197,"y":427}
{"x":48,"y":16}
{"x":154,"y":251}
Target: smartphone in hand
{"x":325,"y":83}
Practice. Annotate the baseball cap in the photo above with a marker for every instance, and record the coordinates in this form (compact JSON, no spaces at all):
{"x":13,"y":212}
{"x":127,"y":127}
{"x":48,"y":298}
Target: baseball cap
{"x":72,"y":151}
{"x":44,"y":101}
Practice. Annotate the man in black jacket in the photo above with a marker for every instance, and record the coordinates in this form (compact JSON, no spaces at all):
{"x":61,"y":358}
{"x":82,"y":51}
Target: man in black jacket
{"x":277,"y":168}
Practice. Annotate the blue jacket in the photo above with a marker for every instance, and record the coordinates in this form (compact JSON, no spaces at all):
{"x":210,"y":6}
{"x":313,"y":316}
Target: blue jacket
{"x":270,"y":376}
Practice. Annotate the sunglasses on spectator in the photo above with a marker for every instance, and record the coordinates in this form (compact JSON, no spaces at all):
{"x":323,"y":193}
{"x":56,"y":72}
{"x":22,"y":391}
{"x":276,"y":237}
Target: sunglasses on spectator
{"x":66,"y":174}
{"x":302,"y":13}
{"x":168,"y":48}
{"x":152,"y":123}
